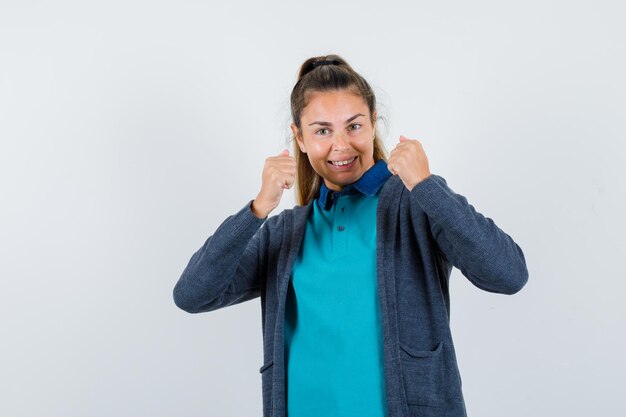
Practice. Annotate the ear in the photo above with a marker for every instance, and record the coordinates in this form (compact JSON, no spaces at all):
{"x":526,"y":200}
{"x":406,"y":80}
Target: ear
{"x":298,"y":136}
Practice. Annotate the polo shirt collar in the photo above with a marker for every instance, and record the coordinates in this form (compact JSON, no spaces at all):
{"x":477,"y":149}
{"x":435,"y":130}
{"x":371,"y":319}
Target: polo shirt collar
{"x":369,"y":184}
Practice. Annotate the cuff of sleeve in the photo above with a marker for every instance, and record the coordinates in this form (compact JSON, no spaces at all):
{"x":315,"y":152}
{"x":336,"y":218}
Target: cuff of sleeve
{"x":432,"y":194}
{"x":247,"y":222}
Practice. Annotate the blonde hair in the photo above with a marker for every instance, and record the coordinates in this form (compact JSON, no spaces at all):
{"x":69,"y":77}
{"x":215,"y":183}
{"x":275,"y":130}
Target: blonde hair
{"x":313,"y":77}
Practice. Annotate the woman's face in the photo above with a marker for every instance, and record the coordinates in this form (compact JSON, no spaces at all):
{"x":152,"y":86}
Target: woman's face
{"x":337,"y":136}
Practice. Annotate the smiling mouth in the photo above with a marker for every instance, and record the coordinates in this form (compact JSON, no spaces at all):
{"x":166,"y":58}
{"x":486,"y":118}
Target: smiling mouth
{"x":343,"y":162}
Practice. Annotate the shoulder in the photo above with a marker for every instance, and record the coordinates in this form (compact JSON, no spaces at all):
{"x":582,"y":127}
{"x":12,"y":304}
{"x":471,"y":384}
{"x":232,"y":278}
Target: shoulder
{"x":392,"y":190}
{"x":395,"y":196}
{"x":396,"y":187}
{"x":392,"y":184}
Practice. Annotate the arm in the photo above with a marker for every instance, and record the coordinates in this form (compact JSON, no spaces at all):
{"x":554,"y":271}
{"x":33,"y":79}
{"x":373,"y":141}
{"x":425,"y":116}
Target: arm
{"x":473,"y":243}
{"x":224,"y":271}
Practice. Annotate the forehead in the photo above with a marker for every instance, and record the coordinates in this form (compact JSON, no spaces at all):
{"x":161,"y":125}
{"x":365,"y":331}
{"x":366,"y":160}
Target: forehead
{"x":334,"y":104}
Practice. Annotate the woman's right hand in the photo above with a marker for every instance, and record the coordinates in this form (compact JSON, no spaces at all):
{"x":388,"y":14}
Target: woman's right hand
{"x":279,"y":173}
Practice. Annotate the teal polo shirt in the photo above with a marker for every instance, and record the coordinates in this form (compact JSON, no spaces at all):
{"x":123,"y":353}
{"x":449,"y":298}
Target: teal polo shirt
{"x":333,"y":330}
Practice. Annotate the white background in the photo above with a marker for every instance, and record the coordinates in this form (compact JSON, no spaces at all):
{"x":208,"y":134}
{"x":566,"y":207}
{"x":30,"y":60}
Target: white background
{"x":129,"y":130}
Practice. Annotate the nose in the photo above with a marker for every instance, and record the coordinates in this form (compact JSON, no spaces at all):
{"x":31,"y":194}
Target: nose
{"x":340,"y":143}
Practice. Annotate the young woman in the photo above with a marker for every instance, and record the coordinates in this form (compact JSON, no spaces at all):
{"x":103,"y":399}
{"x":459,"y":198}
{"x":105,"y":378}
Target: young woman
{"x":353,"y":281}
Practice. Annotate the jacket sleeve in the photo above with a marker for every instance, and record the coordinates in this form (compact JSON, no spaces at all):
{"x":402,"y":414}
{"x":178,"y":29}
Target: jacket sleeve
{"x":473,"y":243}
{"x":224,"y":271}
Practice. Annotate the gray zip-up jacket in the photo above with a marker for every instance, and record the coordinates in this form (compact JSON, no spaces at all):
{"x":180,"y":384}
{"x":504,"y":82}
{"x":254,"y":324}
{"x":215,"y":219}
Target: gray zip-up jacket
{"x":420,"y":235}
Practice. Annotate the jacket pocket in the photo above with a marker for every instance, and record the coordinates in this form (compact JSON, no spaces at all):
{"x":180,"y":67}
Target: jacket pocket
{"x":267,"y":381}
{"x":423,"y":375}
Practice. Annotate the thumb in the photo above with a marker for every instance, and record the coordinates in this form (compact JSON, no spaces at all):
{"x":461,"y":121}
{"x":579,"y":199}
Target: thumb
{"x":284,"y":152}
{"x":402,"y":138}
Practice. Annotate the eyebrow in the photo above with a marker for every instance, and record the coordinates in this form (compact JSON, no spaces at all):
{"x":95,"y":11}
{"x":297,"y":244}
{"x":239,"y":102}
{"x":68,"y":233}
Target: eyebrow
{"x":330,"y":124}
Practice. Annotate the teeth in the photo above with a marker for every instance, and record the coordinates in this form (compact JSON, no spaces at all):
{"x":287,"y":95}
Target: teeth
{"x":339,"y":163}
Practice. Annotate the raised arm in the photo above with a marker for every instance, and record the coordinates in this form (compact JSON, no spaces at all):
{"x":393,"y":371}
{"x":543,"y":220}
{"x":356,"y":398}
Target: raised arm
{"x":473,"y":243}
{"x":224,"y":271}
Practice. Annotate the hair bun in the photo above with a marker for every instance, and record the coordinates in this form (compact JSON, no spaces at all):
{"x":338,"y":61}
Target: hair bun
{"x":319,"y":61}
{"x":325,"y":62}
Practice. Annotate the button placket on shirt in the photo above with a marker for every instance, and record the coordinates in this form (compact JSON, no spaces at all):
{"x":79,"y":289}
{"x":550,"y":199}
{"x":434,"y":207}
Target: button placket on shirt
{"x":340,"y":232}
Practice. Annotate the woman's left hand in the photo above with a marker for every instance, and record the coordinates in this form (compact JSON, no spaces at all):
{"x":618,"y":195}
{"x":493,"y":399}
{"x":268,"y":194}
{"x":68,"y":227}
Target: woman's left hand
{"x":409,"y":162}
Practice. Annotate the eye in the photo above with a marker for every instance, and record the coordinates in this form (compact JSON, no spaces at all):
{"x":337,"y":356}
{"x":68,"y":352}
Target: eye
{"x":356,"y":124}
{"x":318,"y":132}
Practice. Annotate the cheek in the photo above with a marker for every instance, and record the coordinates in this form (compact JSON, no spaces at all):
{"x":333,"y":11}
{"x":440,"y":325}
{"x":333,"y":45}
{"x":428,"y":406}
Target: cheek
{"x":318,"y":151}
{"x":364,"y":144}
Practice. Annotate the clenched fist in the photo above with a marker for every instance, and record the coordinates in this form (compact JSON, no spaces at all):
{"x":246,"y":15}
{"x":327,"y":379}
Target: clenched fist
{"x":279,"y":173}
{"x":409,"y":162}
